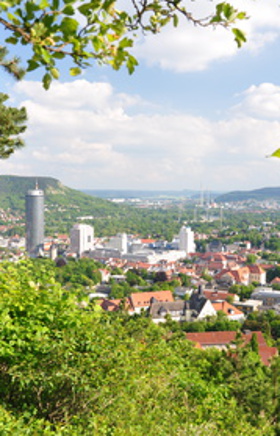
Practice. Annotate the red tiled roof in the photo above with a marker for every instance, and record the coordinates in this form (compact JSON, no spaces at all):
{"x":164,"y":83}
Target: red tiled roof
{"x":142,"y":299}
{"x":113,"y":305}
{"x":217,"y":295}
{"x":212,"y":338}
{"x":227,"y":308}
{"x":224,"y":338}
{"x":255,"y":269}
{"x":266,"y":353}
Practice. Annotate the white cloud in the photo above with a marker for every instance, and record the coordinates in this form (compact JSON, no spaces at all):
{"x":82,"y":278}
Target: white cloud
{"x":97,"y":146}
{"x":261,"y":101}
{"x":192,"y":48}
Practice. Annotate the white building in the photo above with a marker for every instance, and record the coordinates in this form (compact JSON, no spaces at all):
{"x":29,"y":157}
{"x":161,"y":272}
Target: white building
{"x":186,"y":240}
{"x":119,"y":242}
{"x":81,"y":238}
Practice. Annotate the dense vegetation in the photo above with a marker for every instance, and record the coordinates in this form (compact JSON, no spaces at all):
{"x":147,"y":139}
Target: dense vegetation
{"x":71,"y":371}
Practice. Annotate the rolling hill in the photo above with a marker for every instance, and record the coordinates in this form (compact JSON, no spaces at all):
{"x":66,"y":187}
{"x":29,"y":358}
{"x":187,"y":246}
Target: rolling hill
{"x":57,"y":196}
{"x":255,"y":194}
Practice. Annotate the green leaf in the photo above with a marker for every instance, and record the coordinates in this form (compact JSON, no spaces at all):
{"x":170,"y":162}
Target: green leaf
{"x":85,"y":9}
{"x":240,"y":36}
{"x":58,"y":55}
{"x":75,"y":71}
{"x":68,"y":10}
{"x":125,"y":42}
{"x":55,"y":5}
{"x":12,"y":18}
{"x":43,"y":4}
{"x":276,"y":153}
{"x":32,"y":65}
{"x":12,"y":40}
{"x":46,"y":55}
{"x":55,"y":73}
{"x":47,"y":80}
{"x":69,"y":26}
{"x":4,"y":6}
{"x":131,"y":64}
{"x":175,"y":20}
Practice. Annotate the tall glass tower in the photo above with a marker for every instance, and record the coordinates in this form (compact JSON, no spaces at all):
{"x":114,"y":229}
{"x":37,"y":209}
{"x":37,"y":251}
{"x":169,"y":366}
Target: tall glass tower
{"x":34,"y":217}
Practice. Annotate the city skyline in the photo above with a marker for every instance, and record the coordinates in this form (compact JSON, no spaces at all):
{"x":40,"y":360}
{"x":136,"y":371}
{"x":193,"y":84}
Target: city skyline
{"x":196,"y":111}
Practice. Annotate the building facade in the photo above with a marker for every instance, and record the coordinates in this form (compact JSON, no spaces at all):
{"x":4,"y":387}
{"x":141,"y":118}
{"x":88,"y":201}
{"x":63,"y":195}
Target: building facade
{"x":81,"y":238}
{"x":34,"y":217}
{"x":186,"y":240}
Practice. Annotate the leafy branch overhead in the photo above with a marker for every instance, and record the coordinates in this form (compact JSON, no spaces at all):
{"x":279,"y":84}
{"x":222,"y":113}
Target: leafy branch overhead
{"x":97,"y":30}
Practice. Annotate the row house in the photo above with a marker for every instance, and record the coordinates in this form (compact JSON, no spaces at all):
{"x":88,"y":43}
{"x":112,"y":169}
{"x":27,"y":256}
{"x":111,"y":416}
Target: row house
{"x":244,"y":275}
{"x":224,"y":339}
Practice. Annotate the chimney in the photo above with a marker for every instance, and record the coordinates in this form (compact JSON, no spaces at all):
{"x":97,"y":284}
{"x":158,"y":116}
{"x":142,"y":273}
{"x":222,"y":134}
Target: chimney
{"x":200,"y":291}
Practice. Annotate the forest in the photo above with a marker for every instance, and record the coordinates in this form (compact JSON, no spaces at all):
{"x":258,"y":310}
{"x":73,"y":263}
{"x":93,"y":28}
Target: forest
{"x":70,"y":369}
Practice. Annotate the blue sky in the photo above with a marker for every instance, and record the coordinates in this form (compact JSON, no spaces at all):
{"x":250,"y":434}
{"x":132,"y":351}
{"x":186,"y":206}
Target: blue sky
{"x":197,"y":112}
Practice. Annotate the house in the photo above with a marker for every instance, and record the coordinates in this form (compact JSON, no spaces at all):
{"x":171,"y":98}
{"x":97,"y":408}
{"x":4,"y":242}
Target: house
{"x":137,"y":301}
{"x":231,"y":277}
{"x":196,"y":308}
{"x":142,"y":300}
{"x":200,"y":305}
{"x":216,"y":296}
{"x":105,"y":275}
{"x":223,"y":340}
{"x":176,"y":310}
{"x":256,"y":274}
{"x":231,"y":312}
{"x":243,"y":275}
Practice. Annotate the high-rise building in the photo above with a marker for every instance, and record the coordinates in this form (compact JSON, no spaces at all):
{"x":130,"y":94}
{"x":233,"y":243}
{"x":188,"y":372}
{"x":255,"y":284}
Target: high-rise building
{"x":81,"y":238}
{"x":186,"y":240}
{"x":34,"y":217}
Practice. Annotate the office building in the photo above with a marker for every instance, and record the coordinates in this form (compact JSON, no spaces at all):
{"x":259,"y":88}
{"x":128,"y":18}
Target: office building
{"x":186,"y":240}
{"x":81,"y":238}
{"x":34,"y":217}
{"x":119,"y":242}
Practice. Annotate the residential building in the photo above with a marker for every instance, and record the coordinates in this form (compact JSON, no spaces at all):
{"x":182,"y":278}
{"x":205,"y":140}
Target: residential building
{"x":231,"y":312}
{"x":142,"y":300}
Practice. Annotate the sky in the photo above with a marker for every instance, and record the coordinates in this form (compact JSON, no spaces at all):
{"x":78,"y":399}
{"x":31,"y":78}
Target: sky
{"x":198,"y":113}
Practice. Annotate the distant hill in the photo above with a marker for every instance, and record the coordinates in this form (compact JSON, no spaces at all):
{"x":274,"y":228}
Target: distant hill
{"x":61,"y":202}
{"x":256,"y":194}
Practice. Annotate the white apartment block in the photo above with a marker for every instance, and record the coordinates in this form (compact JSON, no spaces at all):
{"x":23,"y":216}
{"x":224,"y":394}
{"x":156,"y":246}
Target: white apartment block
{"x":81,"y":238}
{"x":186,"y":240}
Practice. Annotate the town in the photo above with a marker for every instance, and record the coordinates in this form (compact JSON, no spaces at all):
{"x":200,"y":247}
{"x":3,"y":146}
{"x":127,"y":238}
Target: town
{"x":168,"y":281}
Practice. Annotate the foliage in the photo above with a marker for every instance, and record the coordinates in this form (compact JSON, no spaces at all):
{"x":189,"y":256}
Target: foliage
{"x":68,"y":371}
{"x":96,"y":31}
{"x":272,"y":273}
{"x":10,"y":65}
{"x":12,"y":124}
{"x":268,"y":322}
{"x":244,"y":291}
{"x":251,"y":259}
{"x":83,"y":272}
